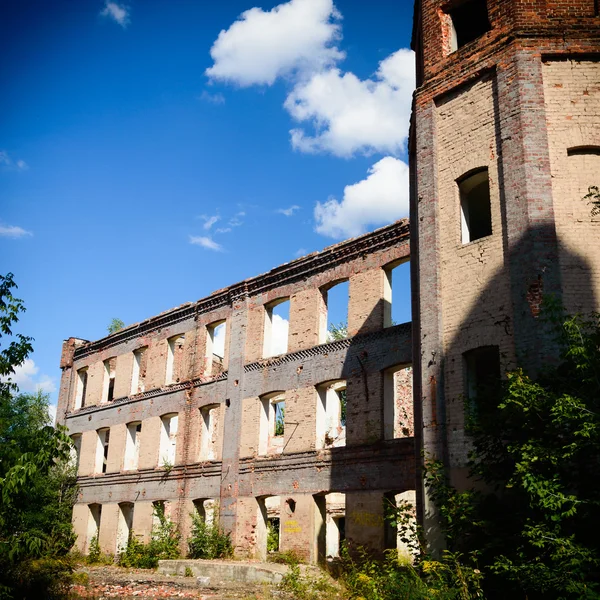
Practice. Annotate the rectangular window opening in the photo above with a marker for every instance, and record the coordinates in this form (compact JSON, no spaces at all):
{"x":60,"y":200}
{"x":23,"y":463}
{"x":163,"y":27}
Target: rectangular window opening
{"x":208,"y":437}
{"x":138,"y":377}
{"x":207,"y":509}
{"x":398,"y":410}
{"x":272,"y":424}
{"x":174,"y":359}
{"x":482,"y":368}
{"x":80,"y":396}
{"x":108,"y":391}
{"x":168,"y":440}
{"x":335,"y":300}
{"x":95,"y":515}
{"x":277,"y":321}
{"x":132,"y":446}
{"x":76,"y":451}
{"x":331,"y":415}
{"x":124,"y":525}
{"x":475,"y":203}
{"x":102,"y":443}
{"x":469,"y":21}
{"x":396,"y":295}
{"x":215,"y":348}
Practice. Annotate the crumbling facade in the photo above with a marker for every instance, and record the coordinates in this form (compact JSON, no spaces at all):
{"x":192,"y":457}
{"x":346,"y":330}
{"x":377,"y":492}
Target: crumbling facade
{"x":505,"y":140}
{"x":313,"y":441}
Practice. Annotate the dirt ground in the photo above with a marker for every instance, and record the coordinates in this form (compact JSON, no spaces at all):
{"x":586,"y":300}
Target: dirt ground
{"x":115,"y":582}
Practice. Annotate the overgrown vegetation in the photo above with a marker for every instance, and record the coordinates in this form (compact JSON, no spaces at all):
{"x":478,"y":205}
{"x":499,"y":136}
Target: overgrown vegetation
{"x":337,"y":331}
{"x":208,"y":540}
{"x":163,"y":544}
{"x":533,"y":530}
{"x":37,"y":483}
{"x":272,"y":536}
{"x":115,"y":325}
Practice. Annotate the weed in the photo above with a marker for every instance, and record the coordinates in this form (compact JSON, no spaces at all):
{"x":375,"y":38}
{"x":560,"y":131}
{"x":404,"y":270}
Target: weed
{"x":208,"y":540}
{"x":188,"y":572}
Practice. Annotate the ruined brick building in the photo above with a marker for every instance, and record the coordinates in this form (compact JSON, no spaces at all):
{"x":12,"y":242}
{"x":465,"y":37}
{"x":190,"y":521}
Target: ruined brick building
{"x":505,"y":140}
{"x":157,"y":417}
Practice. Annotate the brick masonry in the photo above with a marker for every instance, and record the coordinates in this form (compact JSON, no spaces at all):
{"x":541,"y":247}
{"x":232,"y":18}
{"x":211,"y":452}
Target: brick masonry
{"x":517,"y":100}
{"x":241,"y":476}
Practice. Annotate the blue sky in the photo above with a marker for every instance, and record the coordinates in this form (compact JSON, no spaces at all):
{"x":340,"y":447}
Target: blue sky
{"x":153,"y":152}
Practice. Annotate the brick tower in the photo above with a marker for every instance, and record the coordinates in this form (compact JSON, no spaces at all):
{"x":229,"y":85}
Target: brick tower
{"x":505,"y":141}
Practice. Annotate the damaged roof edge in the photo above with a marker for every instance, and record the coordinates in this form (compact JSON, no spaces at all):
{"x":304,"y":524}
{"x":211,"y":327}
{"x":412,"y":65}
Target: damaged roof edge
{"x":309,"y":264}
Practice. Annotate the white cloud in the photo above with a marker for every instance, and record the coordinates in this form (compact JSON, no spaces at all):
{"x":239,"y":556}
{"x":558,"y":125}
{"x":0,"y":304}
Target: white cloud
{"x":117,"y":12}
{"x":9,"y":164}
{"x":12,"y":231}
{"x":210,"y":221}
{"x":212,"y":98}
{"x":206,"y":242}
{"x":300,"y":252}
{"x":297,"y":36}
{"x":28,"y":378}
{"x":236,"y":221}
{"x":52,"y":412}
{"x":288,"y":212}
{"x":351,"y":115}
{"x":223,"y":230}
{"x":279,"y":333}
{"x":379,"y":199}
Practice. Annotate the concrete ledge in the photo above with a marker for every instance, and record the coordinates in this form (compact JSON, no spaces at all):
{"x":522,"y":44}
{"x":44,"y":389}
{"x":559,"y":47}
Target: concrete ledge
{"x":223,"y":571}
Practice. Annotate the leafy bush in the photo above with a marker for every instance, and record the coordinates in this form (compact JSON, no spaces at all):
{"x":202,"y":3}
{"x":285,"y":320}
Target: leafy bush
{"x":272,"y":536}
{"x":306,"y":587}
{"x":208,"y":540}
{"x":96,"y":556}
{"x":395,"y":578}
{"x":532,"y":525}
{"x":164,"y":544}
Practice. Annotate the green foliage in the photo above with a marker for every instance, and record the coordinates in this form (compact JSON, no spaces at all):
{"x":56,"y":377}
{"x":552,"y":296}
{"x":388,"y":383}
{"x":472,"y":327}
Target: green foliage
{"x":188,"y":572}
{"x":95,"y":556}
{"x":163,"y":544}
{"x":37,"y":484}
{"x":593,"y":198}
{"x":305,"y":587}
{"x":272,"y":536}
{"x":337,"y":332}
{"x":115,"y":325}
{"x":279,"y":418}
{"x":396,"y":578}
{"x":532,"y":526}
{"x":208,"y":540}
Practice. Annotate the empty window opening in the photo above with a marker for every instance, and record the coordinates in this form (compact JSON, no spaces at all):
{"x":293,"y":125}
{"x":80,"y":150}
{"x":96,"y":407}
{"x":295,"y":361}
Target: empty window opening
{"x":80,"y":395}
{"x":76,"y":451}
{"x":124,"y":525}
{"x":482,"y":370}
{"x":277,"y":321}
{"x":331,"y":415}
{"x":93,"y":529}
{"x":174,"y":359}
{"x":399,"y":510}
{"x":168,"y":440}
{"x":335,"y":300}
{"x":215,"y":348}
{"x":469,"y":21}
{"x":138,"y":377}
{"x":396,"y":294}
{"x":267,"y":525}
{"x":207,"y":509}
{"x":209,"y":428}
{"x":398,"y":412}
{"x":161,"y":511}
{"x":335,"y":523}
{"x":132,"y":446}
{"x":475,"y":204}
{"x":108,"y":391}
{"x":272,"y":423}
{"x":102,"y":444}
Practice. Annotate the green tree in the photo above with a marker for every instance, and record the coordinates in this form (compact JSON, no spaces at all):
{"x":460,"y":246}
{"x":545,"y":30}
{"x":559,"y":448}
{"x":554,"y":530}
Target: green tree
{"x":115,"y":325}
{"x":337,"y":332}
{"x":532,"y":527}
{"x":36,"y":484}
